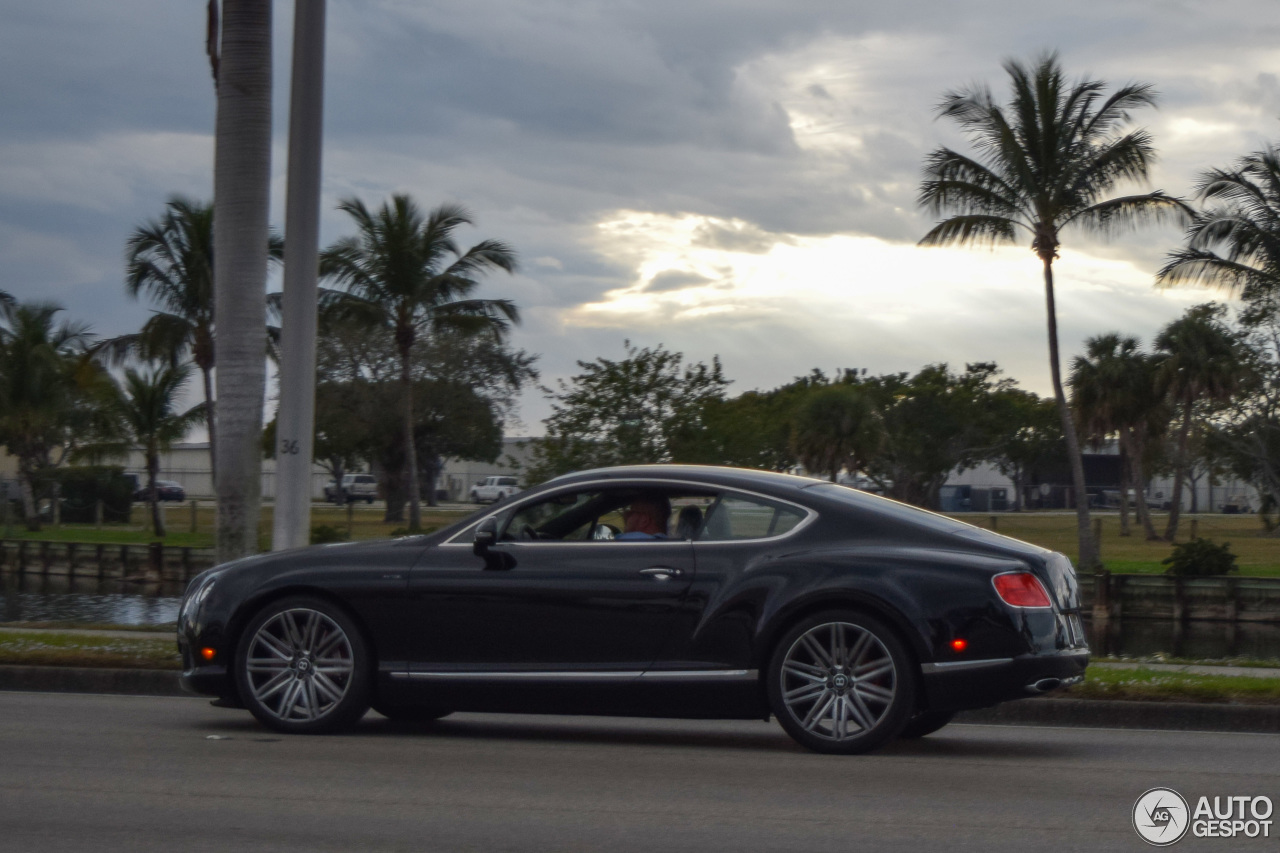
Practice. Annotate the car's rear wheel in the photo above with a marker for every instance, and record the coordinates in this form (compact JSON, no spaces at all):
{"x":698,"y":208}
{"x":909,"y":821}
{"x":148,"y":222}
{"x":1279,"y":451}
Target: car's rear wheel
{"x":841,"y":682}
{"x":304,"y":667}
{"x":925,"y":723}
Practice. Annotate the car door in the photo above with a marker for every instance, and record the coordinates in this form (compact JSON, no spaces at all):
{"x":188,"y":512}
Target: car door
{"x":571,"y":603}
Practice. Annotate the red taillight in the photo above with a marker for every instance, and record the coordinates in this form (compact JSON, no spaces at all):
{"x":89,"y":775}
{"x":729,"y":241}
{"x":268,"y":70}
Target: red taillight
{"x":1021,"y":589}
{"x":208,"y":653}
{"x":959,"y":644}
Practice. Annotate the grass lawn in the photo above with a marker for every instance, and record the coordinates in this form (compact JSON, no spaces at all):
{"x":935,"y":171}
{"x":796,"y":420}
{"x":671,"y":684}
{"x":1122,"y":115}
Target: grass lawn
{"x":365,"y":523}
{"x":1152,"y":685}
{"x":57,"y":648}
{"x":1257,"y":554}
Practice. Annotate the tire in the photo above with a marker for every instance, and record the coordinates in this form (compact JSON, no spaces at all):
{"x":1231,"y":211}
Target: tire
{"x":925,"y":723}
{"x":841,"y":682}
{"x":369,"y":501}
{"x":410,"y":713}
{"x":475,"y":499}
{"x":304,"y":667}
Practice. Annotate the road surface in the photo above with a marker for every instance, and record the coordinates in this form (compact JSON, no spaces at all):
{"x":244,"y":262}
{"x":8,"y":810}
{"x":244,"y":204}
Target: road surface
{"x":108,"y":773}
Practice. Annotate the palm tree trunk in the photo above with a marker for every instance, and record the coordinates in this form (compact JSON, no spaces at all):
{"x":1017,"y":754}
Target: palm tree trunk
{"x":242,"y":175}
{"x":1138,"y":480}
{"x":30,"y":512}
{"x":410,"y":448}
{"x":1126,"y":466}
{"x":153,"y":495}
{"x":1088,"y":559}
{"x":1179,"y":473}
{"x":207,"y":376}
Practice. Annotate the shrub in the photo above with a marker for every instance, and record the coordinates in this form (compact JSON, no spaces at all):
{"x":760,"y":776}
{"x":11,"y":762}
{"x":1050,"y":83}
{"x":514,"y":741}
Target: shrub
{"x":1200,"y":558}
{"x":83,"y":486}
{"x":324,"y":534}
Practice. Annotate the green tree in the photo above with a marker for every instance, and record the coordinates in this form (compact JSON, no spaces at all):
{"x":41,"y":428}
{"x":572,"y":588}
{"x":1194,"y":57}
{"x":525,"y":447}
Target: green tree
{"x":935,"y":422}
{"x":147,"y":408}
{"x":836,"y":428}
{"x":403,"y":272}
{"x":170,"y":261}
{"x":636,"y":410}
{"x":44,"y":380}
{"x":1114,"y":391}
{"x":241,"y":192}
{"x":1047,"y":160}
{"x":1201,"y":364}
{"x":1234,"y":241}
{"x":1029,"y":437}
{"x":1245,"y":433}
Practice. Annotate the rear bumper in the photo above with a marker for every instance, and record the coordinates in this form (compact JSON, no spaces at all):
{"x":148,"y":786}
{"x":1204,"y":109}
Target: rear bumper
{"x":961,"y":685}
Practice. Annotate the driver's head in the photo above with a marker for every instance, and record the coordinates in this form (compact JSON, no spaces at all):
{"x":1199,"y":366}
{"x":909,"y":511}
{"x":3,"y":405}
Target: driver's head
{"x":647,"y":514}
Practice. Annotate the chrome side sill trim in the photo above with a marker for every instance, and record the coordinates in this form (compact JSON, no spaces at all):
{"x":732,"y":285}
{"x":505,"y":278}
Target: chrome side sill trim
{"x":586,"y":675}
{"x":695,"y":674}
{"x":953,"y":665}
{"x":520,"y":676}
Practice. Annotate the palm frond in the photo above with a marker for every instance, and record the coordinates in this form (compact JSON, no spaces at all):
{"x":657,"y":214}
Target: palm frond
{"x":977,"y":229}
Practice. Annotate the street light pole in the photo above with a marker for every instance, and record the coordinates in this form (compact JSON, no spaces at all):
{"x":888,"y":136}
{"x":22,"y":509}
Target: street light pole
{"x":296,"y":419}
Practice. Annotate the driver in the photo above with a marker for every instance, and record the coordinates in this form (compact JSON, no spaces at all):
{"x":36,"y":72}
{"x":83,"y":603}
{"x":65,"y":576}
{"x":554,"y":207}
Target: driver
{"x":646,"y":518}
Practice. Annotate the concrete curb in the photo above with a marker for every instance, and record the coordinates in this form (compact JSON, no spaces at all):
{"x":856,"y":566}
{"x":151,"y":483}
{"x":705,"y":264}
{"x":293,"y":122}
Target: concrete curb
{"x":1121,"y":714}
{"x":67,"y":679}
{"x":1028,"y":712}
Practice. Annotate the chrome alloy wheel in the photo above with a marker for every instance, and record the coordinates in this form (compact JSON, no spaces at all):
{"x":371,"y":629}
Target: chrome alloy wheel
{"x":838,"y":681}
{"x":299,"y":665}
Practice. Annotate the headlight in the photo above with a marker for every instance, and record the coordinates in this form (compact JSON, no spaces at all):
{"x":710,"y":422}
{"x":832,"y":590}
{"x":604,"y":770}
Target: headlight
{"x":195,"y":597}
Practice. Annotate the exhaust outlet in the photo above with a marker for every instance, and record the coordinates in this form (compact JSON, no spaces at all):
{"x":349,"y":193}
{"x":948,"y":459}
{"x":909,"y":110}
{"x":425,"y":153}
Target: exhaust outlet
{"x":1044,"y":685}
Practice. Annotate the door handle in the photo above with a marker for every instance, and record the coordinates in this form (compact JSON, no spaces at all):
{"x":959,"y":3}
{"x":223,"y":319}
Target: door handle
{"x":661,"y":573}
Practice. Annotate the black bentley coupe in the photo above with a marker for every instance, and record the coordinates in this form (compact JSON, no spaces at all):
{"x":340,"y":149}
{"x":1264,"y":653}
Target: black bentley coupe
{"x":851,"y":618}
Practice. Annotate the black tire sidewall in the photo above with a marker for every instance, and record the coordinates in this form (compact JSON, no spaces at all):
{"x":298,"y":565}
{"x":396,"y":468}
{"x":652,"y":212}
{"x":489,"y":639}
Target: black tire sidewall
{"x":354,"y":703}
{"x":925,"y":723}
{"x":899,"y":712}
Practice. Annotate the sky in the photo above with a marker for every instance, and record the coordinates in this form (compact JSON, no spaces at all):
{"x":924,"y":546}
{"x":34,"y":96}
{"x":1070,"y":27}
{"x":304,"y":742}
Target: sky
{"x":722,"y":178}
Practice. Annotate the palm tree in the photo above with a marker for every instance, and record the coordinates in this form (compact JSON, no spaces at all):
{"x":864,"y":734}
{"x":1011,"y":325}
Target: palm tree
{"x":403,"y":272}
{"x":1113,"y":390}
{"x":1047,"y":160}
{"x":1234,"y":242}
{"x":1202,"y":363}
{"x":241,"y":192}
{"x":836,"y":427}
{"x":40,"y":369}
{"x":170,"y":259}
{"x":6,"y":298}
{"x":147,"y":410}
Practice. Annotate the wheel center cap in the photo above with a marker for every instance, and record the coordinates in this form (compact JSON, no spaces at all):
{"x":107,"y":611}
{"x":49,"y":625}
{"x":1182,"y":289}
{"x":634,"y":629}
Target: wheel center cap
{"x":303,"y":665}
{"x":840,"y":681}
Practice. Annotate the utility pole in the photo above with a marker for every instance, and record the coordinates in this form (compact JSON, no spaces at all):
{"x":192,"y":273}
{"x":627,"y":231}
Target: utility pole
{"x":296,"y":425}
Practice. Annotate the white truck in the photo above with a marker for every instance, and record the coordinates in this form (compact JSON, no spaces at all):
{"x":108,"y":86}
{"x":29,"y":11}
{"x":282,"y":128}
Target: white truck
{"x":356,"y":487}
{"x":494,"y":489}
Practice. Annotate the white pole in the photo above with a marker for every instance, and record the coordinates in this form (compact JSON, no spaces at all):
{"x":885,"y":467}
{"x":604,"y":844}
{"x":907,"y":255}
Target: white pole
{"x":296,"y":425}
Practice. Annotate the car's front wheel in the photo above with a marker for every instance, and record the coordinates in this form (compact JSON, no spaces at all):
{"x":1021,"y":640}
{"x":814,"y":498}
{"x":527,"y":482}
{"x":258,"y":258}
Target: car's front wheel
{"x":304,"y":667}
{"x":841,"y":682}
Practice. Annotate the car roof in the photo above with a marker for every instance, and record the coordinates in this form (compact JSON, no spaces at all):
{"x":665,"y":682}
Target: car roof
{"x":747,"y":478}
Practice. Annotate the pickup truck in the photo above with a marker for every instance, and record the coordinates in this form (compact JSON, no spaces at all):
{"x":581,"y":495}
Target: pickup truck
{"x":494,"y":489}
{"x":357,"y":487}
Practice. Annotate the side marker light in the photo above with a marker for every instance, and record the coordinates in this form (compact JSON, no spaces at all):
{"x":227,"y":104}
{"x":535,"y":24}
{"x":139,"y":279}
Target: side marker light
{"x":208,"y":653}
{"x":959,"y":645}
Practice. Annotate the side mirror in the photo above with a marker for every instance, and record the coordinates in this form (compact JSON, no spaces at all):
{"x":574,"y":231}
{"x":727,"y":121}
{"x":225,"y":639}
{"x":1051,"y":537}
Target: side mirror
{"x":486,"y":536}
{"x":483,"y":547}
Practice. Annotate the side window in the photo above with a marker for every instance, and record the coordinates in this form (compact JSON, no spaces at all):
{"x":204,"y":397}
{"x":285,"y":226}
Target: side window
{"x":566,"y":516}
{"x":739,"y":517}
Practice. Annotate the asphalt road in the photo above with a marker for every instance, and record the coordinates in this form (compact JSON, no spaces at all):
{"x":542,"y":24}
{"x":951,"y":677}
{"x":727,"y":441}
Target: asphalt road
{"x":106,"y":773}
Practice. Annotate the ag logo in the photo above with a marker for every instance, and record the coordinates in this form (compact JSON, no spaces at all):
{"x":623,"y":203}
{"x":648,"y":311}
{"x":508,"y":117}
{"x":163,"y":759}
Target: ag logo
{"x":1160,"y":816}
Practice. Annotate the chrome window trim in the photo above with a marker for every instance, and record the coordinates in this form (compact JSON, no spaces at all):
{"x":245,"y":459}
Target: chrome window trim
{"x":810,"y":515}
